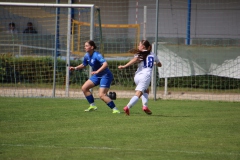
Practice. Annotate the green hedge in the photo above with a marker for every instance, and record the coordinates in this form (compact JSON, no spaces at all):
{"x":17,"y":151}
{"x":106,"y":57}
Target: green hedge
{"x":39,"y":70}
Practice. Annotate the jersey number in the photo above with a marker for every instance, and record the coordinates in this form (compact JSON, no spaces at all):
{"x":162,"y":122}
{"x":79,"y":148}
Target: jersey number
{"x":149,"y":61}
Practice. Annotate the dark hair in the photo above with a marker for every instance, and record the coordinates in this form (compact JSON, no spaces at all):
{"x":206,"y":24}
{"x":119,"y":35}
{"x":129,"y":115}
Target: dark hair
{"x":12,"y":24}
{"x":29,"y":23}
{"x":142,"y":55}
{"x":146,"y":44}
{"x":92,"y":44}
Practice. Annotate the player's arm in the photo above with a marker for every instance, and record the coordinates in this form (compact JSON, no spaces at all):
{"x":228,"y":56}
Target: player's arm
{"x":81,"y":66}
{"x":104,"y":66}
{"x":131,"y":62}
{"x":157,"y":62}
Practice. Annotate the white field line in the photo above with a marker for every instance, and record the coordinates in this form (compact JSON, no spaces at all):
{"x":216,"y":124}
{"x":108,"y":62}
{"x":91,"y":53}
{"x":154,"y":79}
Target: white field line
{"x":109,"y":148}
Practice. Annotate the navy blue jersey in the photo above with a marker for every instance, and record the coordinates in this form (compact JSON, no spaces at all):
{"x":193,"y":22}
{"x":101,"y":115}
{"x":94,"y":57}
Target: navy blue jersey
{"x":96,"y":60}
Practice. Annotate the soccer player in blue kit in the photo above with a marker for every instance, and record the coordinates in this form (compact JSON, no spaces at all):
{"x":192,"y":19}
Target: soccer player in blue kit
{"x":101,"y":75}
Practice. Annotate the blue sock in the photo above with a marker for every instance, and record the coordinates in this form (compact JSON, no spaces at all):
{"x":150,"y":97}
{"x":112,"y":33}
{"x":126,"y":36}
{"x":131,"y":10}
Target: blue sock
{"x":111,"y":104}
{"x":90,"y":99}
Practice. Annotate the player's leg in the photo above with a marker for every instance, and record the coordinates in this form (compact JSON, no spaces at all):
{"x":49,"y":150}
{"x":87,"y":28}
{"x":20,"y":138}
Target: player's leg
{"x":105,"y":83}
{"x":132,"y":101}
{"x":86,"y":91}
{"x":142,"y":86}
{"x":145,"y":98}
{"x":145,"y":102}
{"x":139,"y":91}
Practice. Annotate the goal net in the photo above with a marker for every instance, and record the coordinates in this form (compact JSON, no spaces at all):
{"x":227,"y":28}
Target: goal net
{"x":35,"y":48}
{"x":200,"y":50}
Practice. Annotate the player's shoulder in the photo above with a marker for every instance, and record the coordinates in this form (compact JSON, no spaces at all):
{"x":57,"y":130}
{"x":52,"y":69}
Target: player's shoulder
{"x":97,"y":54}
{"x":86,"y":55}
{"x":152,"y":53}
{"x":135,"y":55}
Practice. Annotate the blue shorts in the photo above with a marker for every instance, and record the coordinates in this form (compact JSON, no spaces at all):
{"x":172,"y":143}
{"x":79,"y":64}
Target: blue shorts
{"x":104,"y":81}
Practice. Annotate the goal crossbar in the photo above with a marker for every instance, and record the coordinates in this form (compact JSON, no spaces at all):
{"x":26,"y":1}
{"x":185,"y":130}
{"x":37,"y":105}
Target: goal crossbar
{"x":46,"y":5}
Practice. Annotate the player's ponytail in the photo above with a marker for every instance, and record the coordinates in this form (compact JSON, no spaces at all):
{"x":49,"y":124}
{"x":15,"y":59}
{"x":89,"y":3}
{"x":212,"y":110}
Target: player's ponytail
{"x":143,"y":54}
{"x":134,"y":51}
{"x":147,"y":45}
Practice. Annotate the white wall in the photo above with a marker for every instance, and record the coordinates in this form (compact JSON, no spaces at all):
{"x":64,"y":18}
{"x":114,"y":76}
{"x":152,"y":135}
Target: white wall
{"x":209,"y":19}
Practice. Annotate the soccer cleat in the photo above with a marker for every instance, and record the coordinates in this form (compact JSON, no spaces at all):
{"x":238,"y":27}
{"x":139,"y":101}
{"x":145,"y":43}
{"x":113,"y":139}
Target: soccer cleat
{"x":126,"y":110}
{"x":91,"y":108}
{"x":116,"y":111}
{"x":146,"y":110}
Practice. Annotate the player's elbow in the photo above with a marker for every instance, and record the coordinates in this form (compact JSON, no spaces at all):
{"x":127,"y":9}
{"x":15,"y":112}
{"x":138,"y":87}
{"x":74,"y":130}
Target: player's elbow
{"x":105,"y":64}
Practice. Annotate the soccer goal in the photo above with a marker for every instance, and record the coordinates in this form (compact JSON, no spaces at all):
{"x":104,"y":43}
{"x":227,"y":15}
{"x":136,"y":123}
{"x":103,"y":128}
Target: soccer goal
{"x":120,"y":39}
{"x":34,"y":59}
{"x":80,"y":34}
{"x":117,"y":41}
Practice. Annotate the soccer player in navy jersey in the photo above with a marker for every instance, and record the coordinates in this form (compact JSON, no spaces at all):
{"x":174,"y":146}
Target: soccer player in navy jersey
{"x":101,"y":75}
{"x":146,"y":60}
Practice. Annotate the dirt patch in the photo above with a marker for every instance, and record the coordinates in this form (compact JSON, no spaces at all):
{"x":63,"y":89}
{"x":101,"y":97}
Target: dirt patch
{"x":22,"y":92}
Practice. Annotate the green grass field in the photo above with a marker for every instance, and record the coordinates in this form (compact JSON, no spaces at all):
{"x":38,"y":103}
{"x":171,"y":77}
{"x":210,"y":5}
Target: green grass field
{"x":45,"y":128}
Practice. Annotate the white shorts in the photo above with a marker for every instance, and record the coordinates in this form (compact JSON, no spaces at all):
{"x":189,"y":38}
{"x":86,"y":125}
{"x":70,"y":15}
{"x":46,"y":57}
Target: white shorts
{"x":142,"y":81}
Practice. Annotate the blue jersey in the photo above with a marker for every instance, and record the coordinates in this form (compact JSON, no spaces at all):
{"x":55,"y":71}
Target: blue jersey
{"x":96,"y":60}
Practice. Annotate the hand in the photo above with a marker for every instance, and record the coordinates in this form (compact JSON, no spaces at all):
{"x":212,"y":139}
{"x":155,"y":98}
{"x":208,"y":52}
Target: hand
{"x":94,"y":72}
{"x":121,"y":67}
{"x":71,"y":68}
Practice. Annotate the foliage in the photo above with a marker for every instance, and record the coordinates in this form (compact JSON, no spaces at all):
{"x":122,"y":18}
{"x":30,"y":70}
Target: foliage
{"x":37,"y":70}
{"x":40,"y":70}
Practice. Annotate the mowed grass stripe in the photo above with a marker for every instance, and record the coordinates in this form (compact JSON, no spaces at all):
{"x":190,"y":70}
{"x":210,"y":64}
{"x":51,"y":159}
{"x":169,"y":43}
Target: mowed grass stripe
{"x":107,"y":148}
{"x":52,"y":128}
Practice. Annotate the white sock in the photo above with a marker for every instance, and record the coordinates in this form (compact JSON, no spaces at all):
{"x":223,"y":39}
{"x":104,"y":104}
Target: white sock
{"x":133,"y":101}
{"x":145,"y":99}
{"x":92,"y":104}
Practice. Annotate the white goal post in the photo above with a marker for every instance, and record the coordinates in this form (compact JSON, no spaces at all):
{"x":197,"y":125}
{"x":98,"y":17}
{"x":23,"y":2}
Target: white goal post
{"x":69,"y":6}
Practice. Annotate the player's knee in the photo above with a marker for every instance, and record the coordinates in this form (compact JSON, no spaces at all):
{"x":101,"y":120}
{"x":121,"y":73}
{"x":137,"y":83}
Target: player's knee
{"x":146,"y":91}
{"x":102,"y":95}
{"x":83,"y":89}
